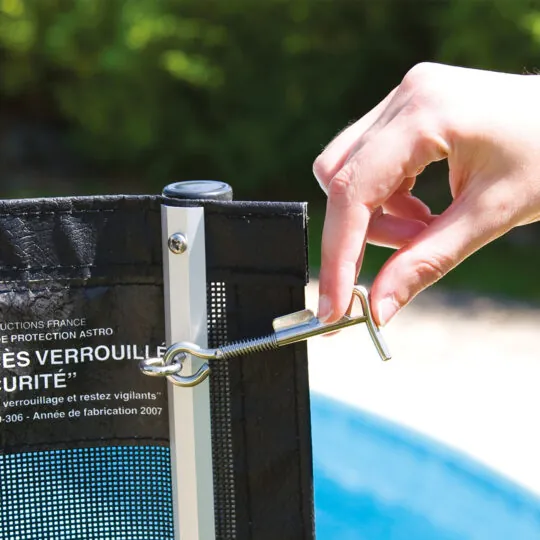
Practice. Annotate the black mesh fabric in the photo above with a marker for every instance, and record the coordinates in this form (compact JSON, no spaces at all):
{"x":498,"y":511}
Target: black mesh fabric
{"x":109,"y":477}
{"x":221,"y":419}
{"x":256,"y":267}
{"x":99,"y":477}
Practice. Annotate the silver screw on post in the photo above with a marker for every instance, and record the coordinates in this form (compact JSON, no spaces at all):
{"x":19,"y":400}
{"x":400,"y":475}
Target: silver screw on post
{"x":177,"y":243}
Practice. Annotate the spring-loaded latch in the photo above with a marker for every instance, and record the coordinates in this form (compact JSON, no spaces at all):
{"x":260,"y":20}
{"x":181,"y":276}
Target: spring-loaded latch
{"x":288,"y":329}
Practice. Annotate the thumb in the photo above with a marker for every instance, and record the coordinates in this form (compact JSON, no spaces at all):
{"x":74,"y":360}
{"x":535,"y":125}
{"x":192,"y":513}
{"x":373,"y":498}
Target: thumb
{"x":449,"y":239}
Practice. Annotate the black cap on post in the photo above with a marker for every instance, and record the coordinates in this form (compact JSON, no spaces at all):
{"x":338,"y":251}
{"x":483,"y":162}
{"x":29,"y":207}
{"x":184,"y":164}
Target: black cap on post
{"x":211,"y":190}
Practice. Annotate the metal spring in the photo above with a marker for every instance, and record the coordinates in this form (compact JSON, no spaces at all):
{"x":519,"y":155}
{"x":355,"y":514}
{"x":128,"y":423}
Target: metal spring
{"x":248,"y":346}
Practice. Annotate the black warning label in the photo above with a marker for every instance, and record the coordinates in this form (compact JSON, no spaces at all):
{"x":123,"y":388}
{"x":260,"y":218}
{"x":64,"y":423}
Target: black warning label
{"x":69,"y":367}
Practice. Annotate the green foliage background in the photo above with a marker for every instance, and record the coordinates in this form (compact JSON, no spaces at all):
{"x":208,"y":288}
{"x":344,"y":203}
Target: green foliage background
{"x":244,"y":91}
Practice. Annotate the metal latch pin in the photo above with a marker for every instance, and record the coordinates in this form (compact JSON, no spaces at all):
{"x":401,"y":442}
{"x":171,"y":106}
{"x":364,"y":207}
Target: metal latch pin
{"x":288,"y":329}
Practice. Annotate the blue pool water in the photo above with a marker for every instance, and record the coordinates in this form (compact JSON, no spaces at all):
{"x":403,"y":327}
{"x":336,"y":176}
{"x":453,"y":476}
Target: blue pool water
{"x":375,"y":480}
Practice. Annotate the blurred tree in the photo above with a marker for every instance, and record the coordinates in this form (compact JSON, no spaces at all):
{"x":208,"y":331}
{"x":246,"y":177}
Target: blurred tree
{"x":498,"y":35}
{"x":242,"y":91}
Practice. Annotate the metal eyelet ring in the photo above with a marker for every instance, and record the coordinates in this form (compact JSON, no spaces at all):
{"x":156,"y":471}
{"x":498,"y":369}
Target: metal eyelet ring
{"x":191,"y":380}
{"x":180,"y":350}
{"x":155,"y":367}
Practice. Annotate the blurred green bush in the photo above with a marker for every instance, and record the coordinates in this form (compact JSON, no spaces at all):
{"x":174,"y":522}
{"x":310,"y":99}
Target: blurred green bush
{"x":247,"y":92}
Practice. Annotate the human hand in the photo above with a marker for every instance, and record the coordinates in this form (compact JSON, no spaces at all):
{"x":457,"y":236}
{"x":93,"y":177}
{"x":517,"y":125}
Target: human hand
{"x":486,"y":124}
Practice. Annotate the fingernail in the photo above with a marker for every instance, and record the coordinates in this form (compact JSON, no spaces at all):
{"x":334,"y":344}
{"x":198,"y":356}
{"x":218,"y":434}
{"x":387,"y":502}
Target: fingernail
{"x":325,"y":308}
{"x":386,"y":309}
{"x":319,"y":180}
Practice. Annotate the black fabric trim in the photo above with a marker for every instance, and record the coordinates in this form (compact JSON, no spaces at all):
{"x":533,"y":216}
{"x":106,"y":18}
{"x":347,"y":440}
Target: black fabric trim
{"x":259,"y":250}
{"x":82,"y":443}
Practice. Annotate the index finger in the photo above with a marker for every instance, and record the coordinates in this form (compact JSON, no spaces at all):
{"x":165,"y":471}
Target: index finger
{"x":334,"y":156}
{"x":366,"y":181}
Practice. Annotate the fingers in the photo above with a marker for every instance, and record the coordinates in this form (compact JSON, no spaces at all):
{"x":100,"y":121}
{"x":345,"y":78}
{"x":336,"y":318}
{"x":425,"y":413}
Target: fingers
{"x":407,"y":206}
{"x":392,"y":231}
{"x":337,"y":152}
{"x":389,"y":231}
{"x":366,"y":182}
{"x":344,"y":234}
{"x":442,"y":245}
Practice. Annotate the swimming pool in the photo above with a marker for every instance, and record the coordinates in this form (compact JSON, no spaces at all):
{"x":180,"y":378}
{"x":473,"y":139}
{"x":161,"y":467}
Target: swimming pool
{"x":375,"y":480}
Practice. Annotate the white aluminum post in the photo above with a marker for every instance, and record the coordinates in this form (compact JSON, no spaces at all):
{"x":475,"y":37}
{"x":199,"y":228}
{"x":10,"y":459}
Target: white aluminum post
{"x":189,"y":408}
